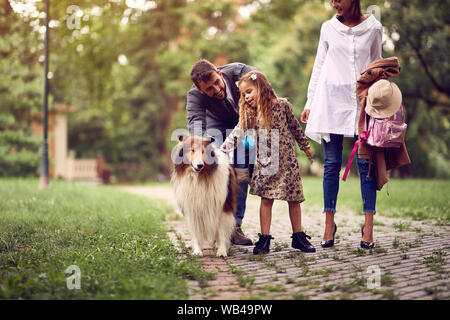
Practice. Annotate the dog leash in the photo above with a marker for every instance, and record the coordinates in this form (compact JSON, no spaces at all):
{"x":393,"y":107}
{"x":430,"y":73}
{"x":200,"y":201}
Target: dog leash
{"x":362,"y":138}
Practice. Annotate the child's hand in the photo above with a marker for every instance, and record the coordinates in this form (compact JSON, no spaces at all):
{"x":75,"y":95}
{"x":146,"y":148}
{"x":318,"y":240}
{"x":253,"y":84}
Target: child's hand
{"x":304,"y":116}
{"x":309,"y":154}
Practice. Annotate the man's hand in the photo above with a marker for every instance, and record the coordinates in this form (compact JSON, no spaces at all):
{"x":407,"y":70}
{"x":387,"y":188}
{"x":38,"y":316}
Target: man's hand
{"x":304,"y":116}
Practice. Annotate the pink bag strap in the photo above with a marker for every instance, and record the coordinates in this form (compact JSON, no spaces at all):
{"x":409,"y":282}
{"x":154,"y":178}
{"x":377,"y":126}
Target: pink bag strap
{"x":362,"y":138}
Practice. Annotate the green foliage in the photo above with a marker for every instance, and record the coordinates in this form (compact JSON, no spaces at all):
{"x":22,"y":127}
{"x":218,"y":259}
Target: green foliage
{"x":127,"y":108}
{"x":419,"y":31}
{"x":125,"y":111}
{"x":20,"y":96}
{"x":19,"y":154}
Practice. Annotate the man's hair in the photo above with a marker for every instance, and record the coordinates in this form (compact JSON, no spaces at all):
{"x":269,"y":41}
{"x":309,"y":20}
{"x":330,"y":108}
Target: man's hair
{"x":202,"y":71}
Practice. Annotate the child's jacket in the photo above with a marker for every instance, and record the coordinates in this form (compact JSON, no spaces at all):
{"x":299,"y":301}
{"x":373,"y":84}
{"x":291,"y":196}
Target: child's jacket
{"x":384,"y":159}
{"x":276,"y":172}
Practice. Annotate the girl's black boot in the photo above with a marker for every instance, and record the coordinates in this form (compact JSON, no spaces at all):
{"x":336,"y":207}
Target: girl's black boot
{"x":262,"y":246}
{"x":300,"y":241}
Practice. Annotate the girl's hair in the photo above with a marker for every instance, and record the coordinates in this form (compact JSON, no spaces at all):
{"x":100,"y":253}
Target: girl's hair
{"x":265,"y":101}
{"x":355,"y":10}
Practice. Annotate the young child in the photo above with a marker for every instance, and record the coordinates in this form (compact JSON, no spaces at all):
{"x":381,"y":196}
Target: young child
{"x":276,"y":173}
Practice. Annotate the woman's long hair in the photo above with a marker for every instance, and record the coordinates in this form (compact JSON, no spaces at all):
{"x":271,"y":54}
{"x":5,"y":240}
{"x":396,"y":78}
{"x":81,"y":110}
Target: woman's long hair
{"x":266,"y":98}
{"x":355,"y":10}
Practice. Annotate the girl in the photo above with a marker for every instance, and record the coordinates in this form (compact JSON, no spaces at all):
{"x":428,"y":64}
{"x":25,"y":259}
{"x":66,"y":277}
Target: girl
{"x":348,"y":43}
{"x":276,"y":172}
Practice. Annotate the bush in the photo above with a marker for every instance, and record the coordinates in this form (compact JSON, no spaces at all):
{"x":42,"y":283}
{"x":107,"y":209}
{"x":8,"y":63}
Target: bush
{"x":19,"y":154}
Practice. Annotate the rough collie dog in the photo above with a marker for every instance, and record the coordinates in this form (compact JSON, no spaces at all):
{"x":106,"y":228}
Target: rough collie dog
{"x":205,"y":187}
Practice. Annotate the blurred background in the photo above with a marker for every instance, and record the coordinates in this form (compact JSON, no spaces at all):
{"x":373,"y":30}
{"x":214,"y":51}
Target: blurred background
{"x":119,"y":74}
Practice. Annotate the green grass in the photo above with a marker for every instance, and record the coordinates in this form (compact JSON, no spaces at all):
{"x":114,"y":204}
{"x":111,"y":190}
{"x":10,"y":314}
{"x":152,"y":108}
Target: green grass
{"x":417,"y":199}
{"x":436,"y":261}
{"x":118,"y":241}
{"x":244,"y":280}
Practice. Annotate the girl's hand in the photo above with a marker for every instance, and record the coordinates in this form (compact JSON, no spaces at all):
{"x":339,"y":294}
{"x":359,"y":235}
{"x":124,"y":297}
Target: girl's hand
{"x":309,"y":153}
{"x":305,"y":115}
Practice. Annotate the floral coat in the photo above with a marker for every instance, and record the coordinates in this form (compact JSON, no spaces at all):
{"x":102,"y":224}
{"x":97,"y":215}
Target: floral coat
{"x":276,"y":173}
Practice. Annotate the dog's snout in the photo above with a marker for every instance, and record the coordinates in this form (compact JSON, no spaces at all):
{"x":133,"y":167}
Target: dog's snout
{"x":199,"y":166}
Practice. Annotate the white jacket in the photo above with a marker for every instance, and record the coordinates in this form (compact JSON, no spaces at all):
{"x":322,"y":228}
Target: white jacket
{"x":342,"y":54}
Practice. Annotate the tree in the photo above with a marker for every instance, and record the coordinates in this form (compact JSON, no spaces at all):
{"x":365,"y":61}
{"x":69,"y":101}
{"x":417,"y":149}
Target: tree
{"x":21,"y":86}
{"x":419,"y":31}
{"x":126,"y":109}
{"x":126,"y":65}
{"x":169,"y":40}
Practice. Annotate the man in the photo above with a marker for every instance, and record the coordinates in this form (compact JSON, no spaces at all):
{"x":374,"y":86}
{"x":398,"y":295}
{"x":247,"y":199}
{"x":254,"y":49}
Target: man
{"x":212,"y":108}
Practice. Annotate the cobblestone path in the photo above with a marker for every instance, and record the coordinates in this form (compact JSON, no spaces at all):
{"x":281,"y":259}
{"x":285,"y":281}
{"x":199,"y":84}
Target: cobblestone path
{"x":410,"y":260}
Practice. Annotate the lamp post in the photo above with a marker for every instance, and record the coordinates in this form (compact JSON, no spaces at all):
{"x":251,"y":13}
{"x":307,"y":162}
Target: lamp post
{"x":43,"y":184}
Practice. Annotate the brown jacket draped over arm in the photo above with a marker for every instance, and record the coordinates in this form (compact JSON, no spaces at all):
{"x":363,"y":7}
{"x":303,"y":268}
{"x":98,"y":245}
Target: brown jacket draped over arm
{"x":383,"y":159}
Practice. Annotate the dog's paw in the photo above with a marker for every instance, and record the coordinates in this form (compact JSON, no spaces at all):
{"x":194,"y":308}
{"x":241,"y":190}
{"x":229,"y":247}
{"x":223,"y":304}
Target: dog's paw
{"x":221,"y":253}
{"x":198,"y":252}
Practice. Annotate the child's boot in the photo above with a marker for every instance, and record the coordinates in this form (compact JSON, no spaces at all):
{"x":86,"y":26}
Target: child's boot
{"x":262,"y":246}
{"x":300,"y":241}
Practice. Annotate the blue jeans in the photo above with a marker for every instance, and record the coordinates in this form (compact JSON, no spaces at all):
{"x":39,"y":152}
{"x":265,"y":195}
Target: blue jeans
{"x":240,"y":161}
{"x":241,"y":203}
{"x":332,"y":167}
{"x":242,"y":189}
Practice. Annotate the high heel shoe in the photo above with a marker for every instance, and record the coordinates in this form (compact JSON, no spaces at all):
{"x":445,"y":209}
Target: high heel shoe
{"x":329,"y":243}
{"x":364,"y":244}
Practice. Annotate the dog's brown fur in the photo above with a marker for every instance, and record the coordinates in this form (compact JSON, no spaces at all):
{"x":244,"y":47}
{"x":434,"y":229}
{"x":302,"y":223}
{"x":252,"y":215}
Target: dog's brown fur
{"x":189,"y":147}
{"x":187,"y":151}
{"x":230,"y":205}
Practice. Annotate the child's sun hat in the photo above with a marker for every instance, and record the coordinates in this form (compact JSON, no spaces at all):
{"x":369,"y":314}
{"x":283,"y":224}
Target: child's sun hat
{"x":384,"y":99}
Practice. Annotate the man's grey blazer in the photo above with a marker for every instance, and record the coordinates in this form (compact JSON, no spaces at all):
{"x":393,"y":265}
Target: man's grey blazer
{"x":209,"y":113}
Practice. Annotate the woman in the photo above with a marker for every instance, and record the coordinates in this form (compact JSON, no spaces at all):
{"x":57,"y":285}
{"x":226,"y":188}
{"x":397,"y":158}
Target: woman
{"x":348,"y":43}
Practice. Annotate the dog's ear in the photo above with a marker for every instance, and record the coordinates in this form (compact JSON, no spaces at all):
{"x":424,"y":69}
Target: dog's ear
{"x":209,"y":140}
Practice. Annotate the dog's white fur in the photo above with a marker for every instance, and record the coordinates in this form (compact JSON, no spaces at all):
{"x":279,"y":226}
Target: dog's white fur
{"x":201,"y":202}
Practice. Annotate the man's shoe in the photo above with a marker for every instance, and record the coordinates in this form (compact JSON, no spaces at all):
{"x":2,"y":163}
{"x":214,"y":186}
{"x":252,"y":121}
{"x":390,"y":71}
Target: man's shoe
{"x":262,"y":246}
{"x":239,"y":238}
{"x":299,"y":241}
